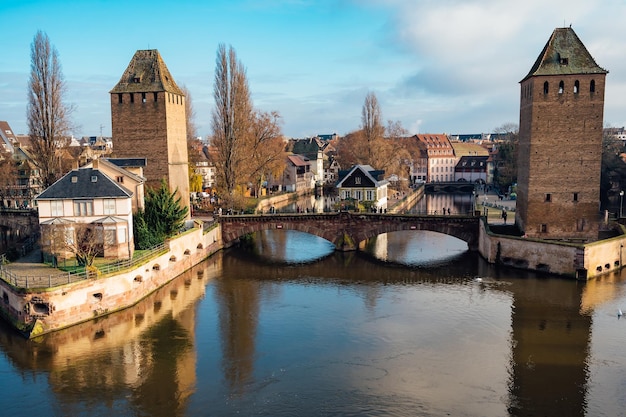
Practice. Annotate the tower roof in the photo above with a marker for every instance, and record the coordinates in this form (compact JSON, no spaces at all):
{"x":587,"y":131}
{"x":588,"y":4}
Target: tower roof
{"x":146,"y":72}
{"x":564,"y":54}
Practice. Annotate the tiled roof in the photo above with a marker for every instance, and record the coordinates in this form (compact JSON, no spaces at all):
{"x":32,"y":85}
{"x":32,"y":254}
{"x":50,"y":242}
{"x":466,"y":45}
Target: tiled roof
{"x":83,"y":183}
{"x":564,"y":54}
{"x":299,"y":160}
{"x":128,"y":162}
{"x":146,"y":72}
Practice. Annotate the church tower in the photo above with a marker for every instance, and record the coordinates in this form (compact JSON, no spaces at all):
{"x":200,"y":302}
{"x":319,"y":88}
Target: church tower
{"x":148,"y":121}
{"x":560,"y":142}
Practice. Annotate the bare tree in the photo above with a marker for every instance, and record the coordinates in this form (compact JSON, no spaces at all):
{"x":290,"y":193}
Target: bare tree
{"x":8,"y":178}
{"x":371,"y":123}
{"x":231,"y":119}
{"x":84,"y":241}
{"x":266,"y":148}
{"x":190,"y":113}
{"x":47,"y":114}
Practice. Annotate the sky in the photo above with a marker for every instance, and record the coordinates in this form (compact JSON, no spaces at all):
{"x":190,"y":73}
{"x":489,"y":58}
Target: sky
{"x":436,"y":66}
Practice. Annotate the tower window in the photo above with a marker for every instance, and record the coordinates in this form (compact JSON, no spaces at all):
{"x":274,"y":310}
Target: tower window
{"x":548,"y":198}
{"x":561,"y":87}
{"x":543,"y":228}
{"x":592,"y":86}
{"x":545,"y":87}
{"x":132,"y":97}
{"x":576,"y":86}
{"x":156,"y":96}
{"x":119,"y":99}
{"x":143,"y":97}
{"x":575,"y":198}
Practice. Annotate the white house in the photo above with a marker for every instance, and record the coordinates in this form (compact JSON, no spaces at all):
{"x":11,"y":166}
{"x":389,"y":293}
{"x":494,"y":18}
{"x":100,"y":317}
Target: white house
{"x":86,"y":196}
{"x":363,"y":183}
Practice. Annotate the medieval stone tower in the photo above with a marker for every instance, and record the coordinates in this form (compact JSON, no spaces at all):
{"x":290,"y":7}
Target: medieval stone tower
{"x":148,"y":121}
{"x":560,"y":142}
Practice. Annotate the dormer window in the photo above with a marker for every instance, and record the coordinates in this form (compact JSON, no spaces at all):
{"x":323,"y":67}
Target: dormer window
{"x":136,"y":80}
{"x":94,"y":178}
{"x":563,"y":61}
{"x":74,"y":179}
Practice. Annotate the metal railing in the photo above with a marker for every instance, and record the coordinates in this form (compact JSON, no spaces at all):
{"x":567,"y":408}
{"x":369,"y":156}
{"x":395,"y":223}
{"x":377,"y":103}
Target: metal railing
{"x":62,"y":278}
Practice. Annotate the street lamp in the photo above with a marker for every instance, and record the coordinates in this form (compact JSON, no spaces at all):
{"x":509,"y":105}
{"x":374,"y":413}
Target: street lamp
{"x":621,"y":200}
{"x":473,"y":201}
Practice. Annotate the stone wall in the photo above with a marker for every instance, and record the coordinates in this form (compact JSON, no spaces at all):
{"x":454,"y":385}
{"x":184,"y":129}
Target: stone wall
{"x":64,"y":306}
{"x":581,"y":261}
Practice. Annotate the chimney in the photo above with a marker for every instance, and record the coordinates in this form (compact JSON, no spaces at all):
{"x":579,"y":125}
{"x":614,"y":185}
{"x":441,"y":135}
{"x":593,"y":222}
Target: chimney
{"x":74,"y":165}
{"x":94,"y":164}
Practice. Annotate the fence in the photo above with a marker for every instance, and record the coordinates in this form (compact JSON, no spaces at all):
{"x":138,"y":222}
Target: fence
{"x":63,"y":278}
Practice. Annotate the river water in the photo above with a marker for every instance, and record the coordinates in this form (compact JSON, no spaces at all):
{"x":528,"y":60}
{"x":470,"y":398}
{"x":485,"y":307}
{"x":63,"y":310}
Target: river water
{"x":417,"y":327}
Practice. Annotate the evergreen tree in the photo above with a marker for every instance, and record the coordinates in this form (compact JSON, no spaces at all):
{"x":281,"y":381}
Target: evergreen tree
{"x":163,"y":217}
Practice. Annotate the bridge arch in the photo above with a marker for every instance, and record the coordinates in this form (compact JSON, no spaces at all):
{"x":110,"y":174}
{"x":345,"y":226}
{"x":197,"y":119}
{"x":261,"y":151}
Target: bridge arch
{"x":345,"y":229}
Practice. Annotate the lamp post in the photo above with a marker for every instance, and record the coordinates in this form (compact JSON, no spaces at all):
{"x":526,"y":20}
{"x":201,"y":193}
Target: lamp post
{"x":621,"y":200}
{"x":473,"y":201}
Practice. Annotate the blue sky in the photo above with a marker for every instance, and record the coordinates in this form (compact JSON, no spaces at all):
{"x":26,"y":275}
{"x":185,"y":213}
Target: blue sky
{"x":437,"y":66}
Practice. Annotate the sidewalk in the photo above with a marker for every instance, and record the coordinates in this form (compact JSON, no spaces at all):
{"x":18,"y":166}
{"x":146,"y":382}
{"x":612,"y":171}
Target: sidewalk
{"x":491,"y":203}
{"x":31,"y":265}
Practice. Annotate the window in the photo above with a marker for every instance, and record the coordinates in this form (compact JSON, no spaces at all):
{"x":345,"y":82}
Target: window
{"x":576,"y":86}
{"x":56,"y":208}
{"x":548,"y":198}
{"x":109,"y":235}
{"x":575,"y":197}
{"x":120,"y":179}
{"x":143,"y":97}
{"x":132,"y":97}
{"x":83,"y":207}
{"x":109,"y":206}
{"x":371,"y":195}
{"x":545,"y":87}
{"x":357,"y":180}
{"x":543,"y":228}
{"x":119,"y":99}
{"x":561,"y":87}
{"x":156,"y":96}
{"x":592,"y":86}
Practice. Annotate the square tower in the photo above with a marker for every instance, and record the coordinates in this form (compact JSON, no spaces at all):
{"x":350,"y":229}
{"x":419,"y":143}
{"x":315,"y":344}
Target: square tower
{"x":148,"y":120}
{"x":560,"y":142}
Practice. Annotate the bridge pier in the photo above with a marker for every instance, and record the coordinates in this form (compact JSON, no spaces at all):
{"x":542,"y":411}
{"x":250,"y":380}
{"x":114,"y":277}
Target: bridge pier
{"x":346,"y":243}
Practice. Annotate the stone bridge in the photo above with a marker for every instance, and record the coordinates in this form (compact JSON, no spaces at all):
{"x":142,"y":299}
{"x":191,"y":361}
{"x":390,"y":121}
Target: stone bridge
{"x":347,"y":229}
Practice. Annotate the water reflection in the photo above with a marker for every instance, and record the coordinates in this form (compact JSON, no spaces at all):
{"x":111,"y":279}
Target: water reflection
{"x":418,"y":247}
{"x":345,"y":335}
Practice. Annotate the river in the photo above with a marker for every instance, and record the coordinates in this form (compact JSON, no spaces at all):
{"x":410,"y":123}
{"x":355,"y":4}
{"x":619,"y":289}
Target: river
{"x":417,"y":326}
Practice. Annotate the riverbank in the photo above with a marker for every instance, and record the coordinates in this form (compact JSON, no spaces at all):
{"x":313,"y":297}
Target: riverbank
{"x":38,"y":304}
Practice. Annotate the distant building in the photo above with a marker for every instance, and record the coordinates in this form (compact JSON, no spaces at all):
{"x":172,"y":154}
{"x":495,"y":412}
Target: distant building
{"x":471,"y":169}
{"x":8,"y":140}
{"x":560,"y":142}
{"x":297,"y":176}
{"x":470,"y":149}
{"x":149,"y":121}
{"x":440,"y":157}
{"x":362,"y":183}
